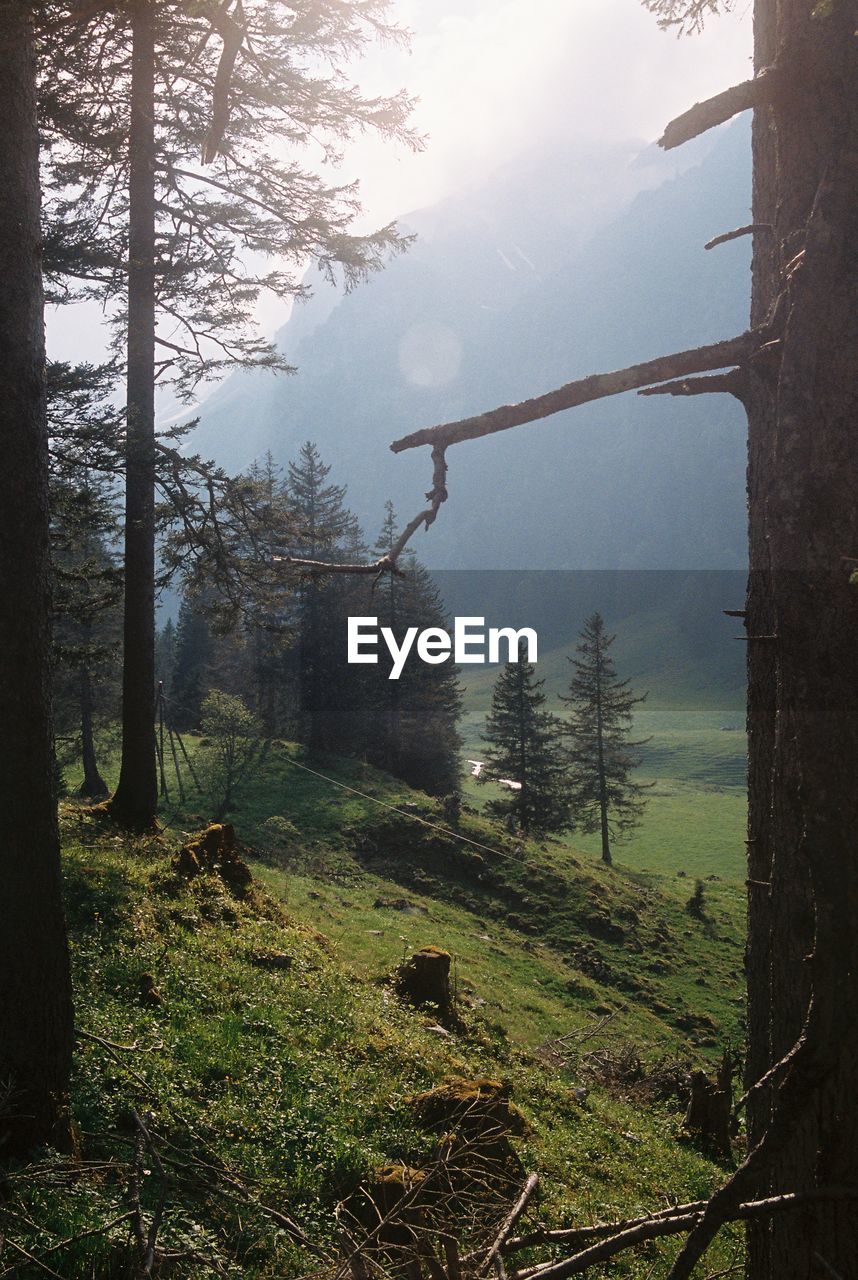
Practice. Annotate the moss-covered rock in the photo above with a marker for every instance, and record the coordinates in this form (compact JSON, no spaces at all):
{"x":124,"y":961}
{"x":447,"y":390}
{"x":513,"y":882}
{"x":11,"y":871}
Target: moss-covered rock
{"x":214,"y":852}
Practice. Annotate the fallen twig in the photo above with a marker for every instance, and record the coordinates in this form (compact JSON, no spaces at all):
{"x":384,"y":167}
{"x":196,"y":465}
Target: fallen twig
{"x":508,"y":1223}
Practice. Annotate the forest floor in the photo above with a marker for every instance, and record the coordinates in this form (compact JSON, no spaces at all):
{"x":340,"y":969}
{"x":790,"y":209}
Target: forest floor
{"x":259,"y":1029}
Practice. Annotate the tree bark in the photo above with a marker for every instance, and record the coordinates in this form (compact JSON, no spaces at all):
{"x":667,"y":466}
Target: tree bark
{"x":803,"y":687}
{"x":135,"y":803}
{"x":35,"y":992}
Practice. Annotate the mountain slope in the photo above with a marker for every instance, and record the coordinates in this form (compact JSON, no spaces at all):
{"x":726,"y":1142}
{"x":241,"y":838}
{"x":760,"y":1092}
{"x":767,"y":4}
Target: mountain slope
{"x":551,"y":273}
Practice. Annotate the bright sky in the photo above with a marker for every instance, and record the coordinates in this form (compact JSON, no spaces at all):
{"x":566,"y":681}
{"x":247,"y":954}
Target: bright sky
{"x":497,"y":76}
{"x":493,"y":76}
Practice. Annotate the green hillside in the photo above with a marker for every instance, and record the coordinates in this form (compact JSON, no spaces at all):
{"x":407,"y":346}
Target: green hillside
{"x":256,"y":1026}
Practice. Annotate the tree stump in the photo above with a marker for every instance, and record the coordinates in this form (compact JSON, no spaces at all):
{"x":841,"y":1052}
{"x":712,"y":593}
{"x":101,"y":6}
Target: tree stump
{"x":425,"y":979}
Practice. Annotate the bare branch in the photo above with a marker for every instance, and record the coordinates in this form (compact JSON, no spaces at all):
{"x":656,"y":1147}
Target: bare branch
{"x":727,"y":236}
{"x":714,"y":111}
{"x":320,"y":567}
{"x":732,"y":383}
{"x":388,"y":562}
{"x":655,"y":1227}
{"x":509,"y":1222}
{"x":574,"y":1237}
{"x":598,"y":386}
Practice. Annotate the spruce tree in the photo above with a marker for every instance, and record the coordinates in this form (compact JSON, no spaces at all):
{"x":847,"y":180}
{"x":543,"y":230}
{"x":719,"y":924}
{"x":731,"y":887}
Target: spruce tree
{"x":326,"y":530}
{"x":84,"y":435}
{"x":524,"y":747}
{"x":191,"y":666}
{"x":410,"y":723}
{"x":603,"y":795}
{"x":87,"y":592}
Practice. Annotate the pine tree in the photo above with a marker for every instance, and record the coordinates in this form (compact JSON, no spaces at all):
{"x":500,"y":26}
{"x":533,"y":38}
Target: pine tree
{"x":326,"y":530}
{"x":524,"y":747}
{"x":87,"y":615}
{"x":269,"y":627}
{"x":410,"y":723}
{"x":165,"y":656}
{"x":191,"y":666}
{"x":84,"y":433}
{"x":603,"y":796}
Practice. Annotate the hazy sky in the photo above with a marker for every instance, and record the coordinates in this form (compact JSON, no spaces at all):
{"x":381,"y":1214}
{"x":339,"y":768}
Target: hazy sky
{"x":494,"y":77}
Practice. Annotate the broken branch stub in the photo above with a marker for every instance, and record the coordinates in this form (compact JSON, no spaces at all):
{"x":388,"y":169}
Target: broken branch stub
{"x":722,"y":107}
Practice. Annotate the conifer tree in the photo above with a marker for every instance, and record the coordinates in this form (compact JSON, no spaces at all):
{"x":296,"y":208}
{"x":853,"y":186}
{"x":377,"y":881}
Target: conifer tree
{"x":133,"y":94}
{"x":191,"y":666}
{"x":87,"y":616}
{"x":524,"y":747}
{"x":326,"y":530}
{"x":165,"y":656}
{"x":84,"y":442}
{"x":603,"y":796}
{"x":410,"y":723}
{"x":270,"y":628}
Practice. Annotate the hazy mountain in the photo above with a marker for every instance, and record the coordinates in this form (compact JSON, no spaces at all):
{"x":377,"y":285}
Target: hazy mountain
{"x":558,"y":267}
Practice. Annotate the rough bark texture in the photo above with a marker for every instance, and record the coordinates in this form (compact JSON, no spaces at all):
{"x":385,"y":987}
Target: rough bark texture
{"x":803,"y":686}
{"x":35,"y":995}
{"x":135,"y":801}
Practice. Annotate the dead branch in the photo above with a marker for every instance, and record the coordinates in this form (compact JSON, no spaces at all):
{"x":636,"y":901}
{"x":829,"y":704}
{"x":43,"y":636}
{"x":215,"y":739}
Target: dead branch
{"x":579,"y":1036}
{"x":508,"y":1223}
{"x":727,"y":236}
{"x":576,"y":1236}
{"x":719,"y":355}
{"x":33,"y":1261}
{"x":656,"y":1227}
{"x":146,"y":1237}
{"x":136,"y":1047}
{"x":730,"y":383}
{"x":105,"y":1229}
{"x":388,"y":563}
{"x":714,"y":111}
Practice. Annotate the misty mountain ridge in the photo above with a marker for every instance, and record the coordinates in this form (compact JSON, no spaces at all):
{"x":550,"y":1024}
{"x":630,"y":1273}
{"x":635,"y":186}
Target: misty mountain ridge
{"x":556,"y":268}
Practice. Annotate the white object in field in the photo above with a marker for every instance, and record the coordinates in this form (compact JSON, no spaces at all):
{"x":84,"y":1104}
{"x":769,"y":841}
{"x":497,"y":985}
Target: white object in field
{"x":508,"y":782}
{"x":477,"y":769}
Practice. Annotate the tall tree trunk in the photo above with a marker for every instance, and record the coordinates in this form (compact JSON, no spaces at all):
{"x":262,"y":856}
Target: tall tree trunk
{"x":35,"y":992}
{"x":802,"y":621}
{"x":93,"y":787}
{"x":135,"y":801}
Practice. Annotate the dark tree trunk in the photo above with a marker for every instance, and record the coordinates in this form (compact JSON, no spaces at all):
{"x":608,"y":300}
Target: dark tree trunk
{"x":135,"y":802}
{"x":93,"y":787}
{"x":802,"y":622}
{"x":35,"y":993}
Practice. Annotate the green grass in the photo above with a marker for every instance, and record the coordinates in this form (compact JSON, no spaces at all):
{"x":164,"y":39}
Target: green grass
{"x":695,"y":759}
{"x":290,"y":1088}
{"x":297,"y":1083}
